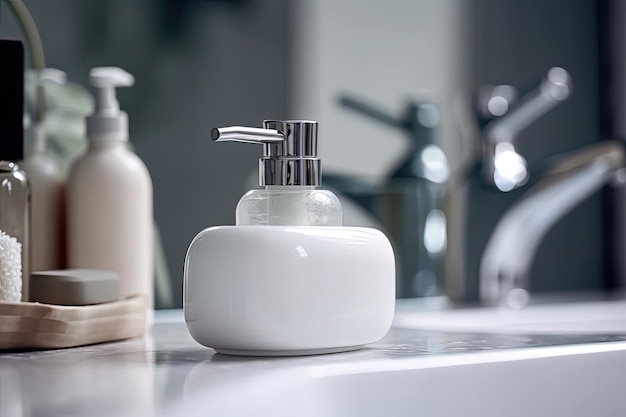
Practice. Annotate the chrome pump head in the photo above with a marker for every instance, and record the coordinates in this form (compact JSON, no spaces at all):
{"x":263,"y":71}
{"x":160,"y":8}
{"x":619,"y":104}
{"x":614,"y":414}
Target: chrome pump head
{"x":289,"y":150}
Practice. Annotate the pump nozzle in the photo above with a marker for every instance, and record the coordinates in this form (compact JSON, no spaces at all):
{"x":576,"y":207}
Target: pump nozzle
{"x":105,"y":79}
{"x":35,"y":100}
{"x":289,"y":150}
{"x":110,"y":77}
{"x":34,"y":135}
{"x":107,"y":121}
{"x":52,"y":75}
{"x":246,"y":135}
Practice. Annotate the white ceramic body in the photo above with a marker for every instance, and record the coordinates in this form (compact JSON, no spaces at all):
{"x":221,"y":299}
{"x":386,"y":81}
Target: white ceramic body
{"x":109,"y":209}
{"x":280,"y":290}
{"x":47,"y":185}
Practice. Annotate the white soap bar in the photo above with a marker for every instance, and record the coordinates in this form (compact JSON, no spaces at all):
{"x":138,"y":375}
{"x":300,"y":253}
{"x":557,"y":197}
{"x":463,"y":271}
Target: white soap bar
{"x":74,"y":287}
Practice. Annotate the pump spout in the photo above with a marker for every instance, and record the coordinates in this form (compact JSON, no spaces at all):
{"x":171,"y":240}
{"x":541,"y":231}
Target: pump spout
{"x":105,"y":79}
{"x":246,"y":135}
{"x":289,"y":150}
{"x":107,"y":120}
{"x":110,"y":77}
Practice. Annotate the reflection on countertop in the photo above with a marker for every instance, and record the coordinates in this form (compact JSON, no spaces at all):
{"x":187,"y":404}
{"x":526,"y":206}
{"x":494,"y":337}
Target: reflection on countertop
{"x":165,"y":369}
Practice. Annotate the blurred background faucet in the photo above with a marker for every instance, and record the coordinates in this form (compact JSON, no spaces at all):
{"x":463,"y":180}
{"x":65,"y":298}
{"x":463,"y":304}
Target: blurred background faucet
{"x":506,"y":263}
{"x":409,"y":204}
{"x":501,"y":173}
{"x":509,"y":254}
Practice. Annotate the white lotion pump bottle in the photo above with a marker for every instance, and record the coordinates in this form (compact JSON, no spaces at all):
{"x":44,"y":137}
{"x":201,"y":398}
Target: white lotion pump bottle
{"x":47,"y":184}
{"x":110,"y":195}
{"x":288,"y":278}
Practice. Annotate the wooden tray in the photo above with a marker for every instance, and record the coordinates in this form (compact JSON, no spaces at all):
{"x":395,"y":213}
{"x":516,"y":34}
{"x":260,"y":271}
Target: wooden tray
{"x":29,"y":326}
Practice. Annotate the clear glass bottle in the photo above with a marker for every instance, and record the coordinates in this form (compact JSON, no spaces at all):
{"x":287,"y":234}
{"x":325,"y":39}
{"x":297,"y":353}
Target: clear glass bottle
{"x":14,"y":186}
{"x":15,"y":213}
{"x":290,"y":173}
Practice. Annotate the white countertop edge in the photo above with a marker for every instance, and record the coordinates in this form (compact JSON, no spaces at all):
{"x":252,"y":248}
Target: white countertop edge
{"x":460,"y":359}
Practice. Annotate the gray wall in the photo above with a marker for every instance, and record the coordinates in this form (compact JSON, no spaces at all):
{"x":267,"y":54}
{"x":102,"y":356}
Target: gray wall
{"x":198,"y":65}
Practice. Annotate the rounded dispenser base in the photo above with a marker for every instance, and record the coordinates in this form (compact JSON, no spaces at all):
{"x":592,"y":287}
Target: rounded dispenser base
{"x":302,"y":352}
{"x":288,"y":290}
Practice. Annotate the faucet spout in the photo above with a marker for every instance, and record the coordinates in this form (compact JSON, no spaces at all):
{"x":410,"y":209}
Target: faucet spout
{"x":509,"y":254}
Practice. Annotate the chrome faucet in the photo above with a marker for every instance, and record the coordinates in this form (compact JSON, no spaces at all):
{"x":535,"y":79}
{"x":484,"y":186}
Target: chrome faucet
{"x":410,"y":204}
{"x":509,"y":254}
{"x":495,"y":178}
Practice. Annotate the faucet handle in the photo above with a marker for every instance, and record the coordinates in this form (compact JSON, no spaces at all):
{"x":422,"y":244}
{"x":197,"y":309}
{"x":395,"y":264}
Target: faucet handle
{"x":557,"y":84}
{"x":503,"y":167}
{"x":495,"y":101}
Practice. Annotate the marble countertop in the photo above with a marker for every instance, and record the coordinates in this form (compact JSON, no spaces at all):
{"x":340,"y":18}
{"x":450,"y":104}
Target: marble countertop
{"x":164,"y":370}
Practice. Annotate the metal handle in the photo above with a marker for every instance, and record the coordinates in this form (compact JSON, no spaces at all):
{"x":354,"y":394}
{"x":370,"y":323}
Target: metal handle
{"x":502,"y":165}
{"x":371,"y":111}
{"x":555,"y":88}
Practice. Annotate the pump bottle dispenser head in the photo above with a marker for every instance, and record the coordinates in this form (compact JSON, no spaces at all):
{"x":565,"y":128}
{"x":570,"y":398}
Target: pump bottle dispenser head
{"x":34,"y":132}
{"x":107,"y":120}
{"x":289,"y":150}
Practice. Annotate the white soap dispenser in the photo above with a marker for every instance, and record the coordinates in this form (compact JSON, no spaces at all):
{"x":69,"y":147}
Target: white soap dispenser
{"x":288,"y":279}
{"x":109,"y":202}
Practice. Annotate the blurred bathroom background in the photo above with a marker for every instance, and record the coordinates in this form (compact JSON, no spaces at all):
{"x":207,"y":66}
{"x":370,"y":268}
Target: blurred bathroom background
{"x":207,"y":63}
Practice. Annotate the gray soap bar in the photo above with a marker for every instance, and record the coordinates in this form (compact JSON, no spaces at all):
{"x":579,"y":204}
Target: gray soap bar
{"x":74,"y":287}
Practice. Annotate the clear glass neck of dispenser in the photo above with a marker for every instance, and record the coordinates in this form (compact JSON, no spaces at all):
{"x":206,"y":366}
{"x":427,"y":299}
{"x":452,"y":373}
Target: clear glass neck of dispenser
{"x":289,"y":205}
